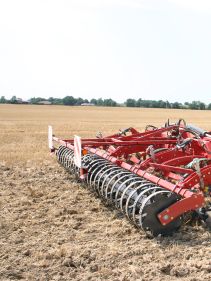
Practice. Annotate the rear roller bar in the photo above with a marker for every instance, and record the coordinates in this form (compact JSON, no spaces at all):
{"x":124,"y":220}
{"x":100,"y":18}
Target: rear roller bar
{"x":120,"y":188}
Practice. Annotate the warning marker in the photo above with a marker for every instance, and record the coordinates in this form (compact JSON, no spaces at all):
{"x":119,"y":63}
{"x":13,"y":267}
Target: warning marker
{"x":77,"y":151}
{"x":50,"y":137}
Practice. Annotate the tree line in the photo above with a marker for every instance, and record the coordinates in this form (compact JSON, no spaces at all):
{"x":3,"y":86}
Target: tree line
{"x":70,"y":100}
{"x":166,"y":104}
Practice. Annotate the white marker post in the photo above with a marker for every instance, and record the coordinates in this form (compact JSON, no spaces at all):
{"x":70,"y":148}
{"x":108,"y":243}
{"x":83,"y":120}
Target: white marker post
{"x":77,"y":151}
{"x":50,"y":137}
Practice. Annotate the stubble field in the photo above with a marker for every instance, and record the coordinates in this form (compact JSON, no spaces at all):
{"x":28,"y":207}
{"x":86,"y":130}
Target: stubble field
{"x":51,"y":228}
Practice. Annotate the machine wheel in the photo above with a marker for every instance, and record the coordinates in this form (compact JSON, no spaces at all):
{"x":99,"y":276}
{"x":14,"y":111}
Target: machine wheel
{"x":150,"y":222}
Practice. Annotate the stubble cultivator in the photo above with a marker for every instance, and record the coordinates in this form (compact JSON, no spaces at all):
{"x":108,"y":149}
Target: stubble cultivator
{"x":158,"y":178}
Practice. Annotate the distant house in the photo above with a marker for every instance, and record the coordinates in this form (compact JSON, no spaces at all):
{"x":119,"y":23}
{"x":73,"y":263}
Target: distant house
{"x":88,"y":104}
{"x":45,"y":102}
{"x":20,"y":101}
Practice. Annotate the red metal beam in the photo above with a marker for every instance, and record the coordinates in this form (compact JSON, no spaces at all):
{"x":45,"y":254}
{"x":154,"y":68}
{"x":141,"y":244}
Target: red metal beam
{"x":184,"y":192}
{"x":168,"y":168}
{"x":183,"y":160}
{"x":97,"y":143}
{"x":180,"y":207}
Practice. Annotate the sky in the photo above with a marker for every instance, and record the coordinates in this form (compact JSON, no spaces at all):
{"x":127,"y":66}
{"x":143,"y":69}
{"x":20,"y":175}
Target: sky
{"x":119,"y":49}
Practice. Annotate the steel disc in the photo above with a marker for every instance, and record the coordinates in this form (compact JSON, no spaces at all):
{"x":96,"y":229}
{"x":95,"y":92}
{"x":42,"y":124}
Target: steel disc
{"x":150,"y":221}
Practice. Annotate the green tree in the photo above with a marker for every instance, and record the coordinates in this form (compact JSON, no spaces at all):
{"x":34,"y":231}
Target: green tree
{"x":69,"y":100}
{"x":13,"y":100}
{"x":138,"y":102}
{"x":51,"y":99}
{"x":130,"y":103}
{"x":197,"y":105}
{"x":79,"y":101}
{"x":187,"y":105}
{"x":209,"y":106}
{"x":161,"y":104}
{"x":194,"y":105}
{"x":100,"y":102}
{"x":94,"y":101}
{"x":176,"y":105}
{"x":168,"y":105}
{"x":202,"y":106}
{"x":154,"y":104}
{"x":109,"y":102}
{"x":55,"y":100}
{"x":36,"y":100}
{"x":58,"y":101}
{"x":3,"y":100}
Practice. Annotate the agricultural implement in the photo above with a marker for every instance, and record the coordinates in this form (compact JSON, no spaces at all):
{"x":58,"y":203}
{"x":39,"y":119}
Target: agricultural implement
{"x":158,"y":178}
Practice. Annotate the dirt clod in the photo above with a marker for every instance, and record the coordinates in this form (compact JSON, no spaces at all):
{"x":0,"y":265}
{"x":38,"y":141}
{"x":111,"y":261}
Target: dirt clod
{"x":179,"y":271}
{"x":94,"y":268}
{"x":69,"y":263}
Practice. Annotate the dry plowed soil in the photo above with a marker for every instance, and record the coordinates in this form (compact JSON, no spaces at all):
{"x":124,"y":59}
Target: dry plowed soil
{"x":54,"y":228}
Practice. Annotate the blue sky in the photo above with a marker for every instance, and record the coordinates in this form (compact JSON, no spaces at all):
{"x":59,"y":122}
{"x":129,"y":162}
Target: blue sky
{"x":116,"y":48}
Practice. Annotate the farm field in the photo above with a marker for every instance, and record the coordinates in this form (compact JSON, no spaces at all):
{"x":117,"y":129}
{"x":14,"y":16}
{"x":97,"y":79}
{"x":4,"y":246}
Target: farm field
{"x":51,"y":228}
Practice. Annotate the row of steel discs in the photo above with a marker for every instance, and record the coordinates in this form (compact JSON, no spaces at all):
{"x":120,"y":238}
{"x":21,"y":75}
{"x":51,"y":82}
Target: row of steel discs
{"x":139,"y":199}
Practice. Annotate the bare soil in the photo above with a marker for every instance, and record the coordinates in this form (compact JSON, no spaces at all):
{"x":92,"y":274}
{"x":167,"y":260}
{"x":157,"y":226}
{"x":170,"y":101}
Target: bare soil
{"x":53,"y":228}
